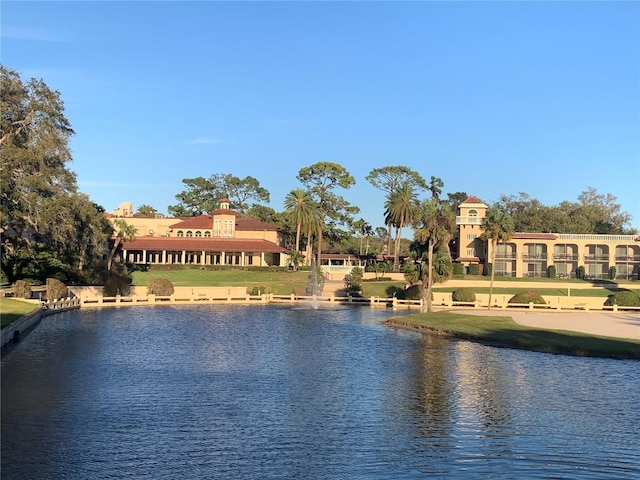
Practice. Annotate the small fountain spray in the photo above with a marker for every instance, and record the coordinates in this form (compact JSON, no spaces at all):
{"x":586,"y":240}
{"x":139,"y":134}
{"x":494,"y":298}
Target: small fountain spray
{"x":314,"y":284}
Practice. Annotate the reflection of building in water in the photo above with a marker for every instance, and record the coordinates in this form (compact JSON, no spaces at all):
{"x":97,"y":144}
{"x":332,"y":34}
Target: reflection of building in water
{"x":532,"y":254}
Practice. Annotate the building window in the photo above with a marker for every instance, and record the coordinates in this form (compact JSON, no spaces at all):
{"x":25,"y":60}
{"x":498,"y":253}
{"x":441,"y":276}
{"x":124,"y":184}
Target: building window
{"x":471,"y":252}
{"x":471,"y":236}
{"x":180,"y":233}
{"x":198,"y":234}
{"x":228,"y":228}
{"x":473,"y":213}
{"x":207,"y":234}
{"x":216,"y":228}
{"x":189,"y":233}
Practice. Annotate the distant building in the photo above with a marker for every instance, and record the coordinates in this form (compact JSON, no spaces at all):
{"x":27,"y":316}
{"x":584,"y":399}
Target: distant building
{"x":531,"y":254}
{"x":222,"y":237}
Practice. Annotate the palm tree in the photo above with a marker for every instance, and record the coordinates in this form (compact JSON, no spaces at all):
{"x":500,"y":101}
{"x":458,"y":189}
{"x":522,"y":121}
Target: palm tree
{"x":401,"y":209}
{"x":497,"y":227}
{"x":122,"y":232}
{"x":437,"y":227}
{"x":300,"y":209}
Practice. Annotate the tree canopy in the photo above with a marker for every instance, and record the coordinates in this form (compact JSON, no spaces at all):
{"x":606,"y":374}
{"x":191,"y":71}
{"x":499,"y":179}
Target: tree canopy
{"x":203,"y":195}
{"x":592,"y":213}
{"x":47,"y":226}
{"x":321,"y":179}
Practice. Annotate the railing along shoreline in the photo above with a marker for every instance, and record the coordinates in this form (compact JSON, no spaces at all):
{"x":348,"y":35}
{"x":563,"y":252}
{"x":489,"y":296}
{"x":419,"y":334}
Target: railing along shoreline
{"x":443,"y":302}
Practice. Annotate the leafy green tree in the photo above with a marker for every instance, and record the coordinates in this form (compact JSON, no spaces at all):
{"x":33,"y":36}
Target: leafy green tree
{"x":390,"y":179}
{"x":200,"y":196}
{"x":381,"y":235}
{"x":436,"y":225}
{"x":122,"y":232}
{"x":497,"y":227}
{"x":455,"y":199}
{"x":364,"y":230}
{"x":241,"y":191}
{"x":145,"y":211}
{"x":47,"y":227}
{"x":593,"y":213}
{"x":401,"y":208}
{"x":321,"y":179}
{"x":203,"y":195}
{"x":435,"y":187}
{"x":267,"y":214}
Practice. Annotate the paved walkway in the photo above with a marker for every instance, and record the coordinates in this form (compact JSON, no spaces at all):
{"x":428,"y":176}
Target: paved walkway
{"x":619,"y":325}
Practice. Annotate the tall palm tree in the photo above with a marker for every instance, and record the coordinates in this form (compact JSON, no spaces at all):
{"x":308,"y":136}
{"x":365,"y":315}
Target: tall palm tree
{"x":437,"y":225}
{"x":299,"y":209}
{"x":401,"y":209}
{"x":497,"y":227}
{"x":122,"y":232}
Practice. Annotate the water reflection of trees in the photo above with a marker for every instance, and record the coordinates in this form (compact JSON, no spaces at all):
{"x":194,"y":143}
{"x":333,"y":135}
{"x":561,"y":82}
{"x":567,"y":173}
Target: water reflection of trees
{"x":461,"y":401}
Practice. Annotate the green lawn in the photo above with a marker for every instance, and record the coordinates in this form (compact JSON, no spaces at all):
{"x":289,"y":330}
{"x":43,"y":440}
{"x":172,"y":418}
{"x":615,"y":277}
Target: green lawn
{"x":279,"y":283}
{"x":503,"y":331}
{"x":12,"y":309}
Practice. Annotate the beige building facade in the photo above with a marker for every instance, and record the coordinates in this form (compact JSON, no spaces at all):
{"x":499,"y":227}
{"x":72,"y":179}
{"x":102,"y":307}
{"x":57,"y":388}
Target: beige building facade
{"x":531,"y":254}
{"x":222,"y":237}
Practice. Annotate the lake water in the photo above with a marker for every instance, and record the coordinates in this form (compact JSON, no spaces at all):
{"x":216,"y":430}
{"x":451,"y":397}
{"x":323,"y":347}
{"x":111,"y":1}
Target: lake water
{"x":264,"y":392}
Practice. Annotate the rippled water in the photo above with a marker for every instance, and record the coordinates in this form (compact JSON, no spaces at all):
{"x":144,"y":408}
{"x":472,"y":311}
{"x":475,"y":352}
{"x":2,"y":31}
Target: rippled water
{"x":278,"y":392}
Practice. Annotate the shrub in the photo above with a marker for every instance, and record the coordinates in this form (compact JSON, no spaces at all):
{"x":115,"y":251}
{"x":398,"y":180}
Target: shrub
{"x":414,"y":292}
{"x":624,"y":298}
{"x":489,"y":269}
{"x":613,"y":273}
{"x":353,"y":281}
{"x":56,"y":289}
{"x":116,"y":285}
{"x":259,"y":290}
{"x":474,"y":269}
{"x":464,"y":294}
{"x":580,"y":272}
{"x":161,"y":287}
{"x":22,"y":289}
{"x":458,"y":269}
{"x":528,"y":296}
{"x":551,"y":271}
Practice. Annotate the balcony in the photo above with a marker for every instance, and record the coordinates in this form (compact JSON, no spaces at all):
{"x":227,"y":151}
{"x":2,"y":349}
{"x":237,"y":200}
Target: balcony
{"x":506,"y":256}
{"x":596,"y":258}
{"x":468,"y":220}
{"x":627,"y":258}
{"x":565,"y":257}
{"x":534,"y":256}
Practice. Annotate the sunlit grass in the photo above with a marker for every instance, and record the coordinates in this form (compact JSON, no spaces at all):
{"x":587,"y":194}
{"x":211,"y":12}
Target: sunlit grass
{"x":503,"y":331}
{"x":12,"y":309}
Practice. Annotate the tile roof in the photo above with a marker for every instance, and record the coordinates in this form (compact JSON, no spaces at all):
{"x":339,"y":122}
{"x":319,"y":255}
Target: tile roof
{"x":202,"y":245}
{"x":205,"y":222}
{"x":472,"y":199}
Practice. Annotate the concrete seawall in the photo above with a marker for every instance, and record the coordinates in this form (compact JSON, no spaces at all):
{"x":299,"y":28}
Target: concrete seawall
{"x":11,"y":333}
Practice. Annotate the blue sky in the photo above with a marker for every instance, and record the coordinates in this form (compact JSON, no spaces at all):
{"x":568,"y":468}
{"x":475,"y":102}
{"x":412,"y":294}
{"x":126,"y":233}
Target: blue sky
{"x":492,"y":97}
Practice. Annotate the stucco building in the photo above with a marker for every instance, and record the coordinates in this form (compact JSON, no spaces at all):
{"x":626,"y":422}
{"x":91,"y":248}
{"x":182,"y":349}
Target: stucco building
{"x":221,"y":237}
{"x":531,"y":254}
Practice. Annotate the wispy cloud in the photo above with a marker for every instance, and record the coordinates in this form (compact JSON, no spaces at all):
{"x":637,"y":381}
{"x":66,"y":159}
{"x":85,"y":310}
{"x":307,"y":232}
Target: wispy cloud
{"x":33,"y":34}
{"x":205,"y":141}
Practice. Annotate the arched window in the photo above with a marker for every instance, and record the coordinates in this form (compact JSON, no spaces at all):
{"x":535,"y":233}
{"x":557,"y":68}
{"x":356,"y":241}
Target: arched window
{"x":189,"y":233}
{"x":473,"y":213}
{"x":180,"y":233}
{"x":198,"y":233}
{"x":207,"y":234}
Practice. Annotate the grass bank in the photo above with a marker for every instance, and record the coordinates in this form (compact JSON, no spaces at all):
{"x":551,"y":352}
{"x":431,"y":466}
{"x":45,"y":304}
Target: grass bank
{"x":276,"y":282}
{"x":12,"y":309}
{"x":503,"y":331}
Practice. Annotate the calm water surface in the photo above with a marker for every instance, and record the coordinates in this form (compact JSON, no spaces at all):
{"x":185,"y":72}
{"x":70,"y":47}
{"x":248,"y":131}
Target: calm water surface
{"x":279,"y":392}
